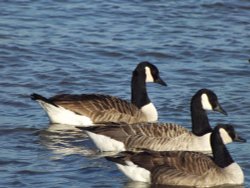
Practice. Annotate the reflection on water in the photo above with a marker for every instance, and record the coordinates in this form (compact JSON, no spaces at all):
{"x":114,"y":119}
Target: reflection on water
{"x":65,"y":140}
{"x":68,"y":140}
{"x":62,"y":127}
{"x":131,"y":184}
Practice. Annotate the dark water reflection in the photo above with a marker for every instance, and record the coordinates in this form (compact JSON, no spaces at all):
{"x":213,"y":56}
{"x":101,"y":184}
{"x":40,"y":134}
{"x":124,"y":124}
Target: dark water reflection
{"x":145,"y":185}
{"x":63,"y":142}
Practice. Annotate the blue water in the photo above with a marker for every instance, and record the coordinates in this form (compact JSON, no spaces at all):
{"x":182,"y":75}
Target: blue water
{"x":53,"y":47}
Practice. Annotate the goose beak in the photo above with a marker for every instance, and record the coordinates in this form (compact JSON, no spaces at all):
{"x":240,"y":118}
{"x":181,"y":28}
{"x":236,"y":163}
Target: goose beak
{"x":239,"y":139}
{"x":160,"y":81}
{"x":218,"y":108}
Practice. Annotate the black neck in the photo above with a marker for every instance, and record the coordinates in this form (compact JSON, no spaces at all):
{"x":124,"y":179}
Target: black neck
{"x":221,"y":155}
{"x":139,"y":96}
{"x":200,"y":122}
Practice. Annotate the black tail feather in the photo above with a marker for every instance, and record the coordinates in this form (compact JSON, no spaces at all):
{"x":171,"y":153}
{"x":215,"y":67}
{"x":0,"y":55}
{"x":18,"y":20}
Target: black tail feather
{"x":89,"y":128}
{"x":119,"y":160}
{"x":122,"y":157}
{"x":35,"y":97}
{"x":99,"y":128}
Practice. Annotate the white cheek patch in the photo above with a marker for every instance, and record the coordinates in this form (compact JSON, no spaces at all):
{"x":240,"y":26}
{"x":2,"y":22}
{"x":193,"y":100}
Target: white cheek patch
{"x":149,"y":77}
{"x":205,"y":102}
{"x":225,"y":136}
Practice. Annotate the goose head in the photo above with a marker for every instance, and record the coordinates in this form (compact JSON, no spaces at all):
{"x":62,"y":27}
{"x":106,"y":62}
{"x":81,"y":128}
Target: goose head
{"x":150,"y":72}
{"x":228,"y":133}
{"x":208,"y":100}
{"x":222,"y":134}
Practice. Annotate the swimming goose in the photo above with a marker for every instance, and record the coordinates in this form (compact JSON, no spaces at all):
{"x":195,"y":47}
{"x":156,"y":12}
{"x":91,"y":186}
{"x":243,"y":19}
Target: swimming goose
{"x":185,"y":168}
{"x":161,"y":136}
{"x":89,"y":109}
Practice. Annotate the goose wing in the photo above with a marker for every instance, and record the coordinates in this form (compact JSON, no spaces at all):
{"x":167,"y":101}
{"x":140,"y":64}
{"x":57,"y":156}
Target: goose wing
{"x":100,"y":108}
{"x":186,"y":161}
{"x":172,"y":176}
{"x":184,"y":168}
{"x":195,"y":163}
{"x":159,"y":130}
{"x":170,"y":167}
{"x":154,"y":136}
{"x":126,"y":132}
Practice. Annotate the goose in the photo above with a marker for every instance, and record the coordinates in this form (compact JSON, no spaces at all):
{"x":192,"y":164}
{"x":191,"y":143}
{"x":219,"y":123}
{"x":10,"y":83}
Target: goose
{"x":161,"y":136}
{"x":185,"y":168}
{"x":89,"y":109}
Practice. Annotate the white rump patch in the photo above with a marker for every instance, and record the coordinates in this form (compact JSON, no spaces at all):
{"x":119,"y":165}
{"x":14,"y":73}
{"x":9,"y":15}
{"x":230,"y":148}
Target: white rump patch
{"x":135,"y":172}
{"x":225,"y":136}
{"x":63,"y":116}
{"x":149,"y":77}
{"x":150,"y":112}
{"x":205,"y":102}
{"x":105,"y":143}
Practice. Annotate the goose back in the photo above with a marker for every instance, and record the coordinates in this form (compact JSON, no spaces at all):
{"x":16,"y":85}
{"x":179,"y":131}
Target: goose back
{"x":154,"y":136}
{"x":100,"y":108}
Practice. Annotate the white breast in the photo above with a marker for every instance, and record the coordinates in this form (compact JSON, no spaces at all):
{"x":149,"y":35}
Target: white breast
{"x":234,"y":174}
{"x":150,"y":112}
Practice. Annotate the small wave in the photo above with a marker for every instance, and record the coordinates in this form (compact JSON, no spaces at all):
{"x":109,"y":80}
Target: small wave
{"x":156,"y":55}
{"x":4,"y":131}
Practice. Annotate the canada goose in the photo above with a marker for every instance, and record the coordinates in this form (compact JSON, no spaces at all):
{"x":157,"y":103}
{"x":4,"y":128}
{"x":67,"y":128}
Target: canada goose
{"x":185,"y":168}
{"x":161,"y":136}
{"x":89,"y":109}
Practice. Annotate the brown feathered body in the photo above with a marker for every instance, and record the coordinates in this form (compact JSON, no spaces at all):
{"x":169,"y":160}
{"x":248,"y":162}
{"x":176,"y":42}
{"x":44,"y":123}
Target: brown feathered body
{"x":100,"y":108}
{"x":182,"y":168}
{"x":152,"y":136}
{"x":90,"y":109}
